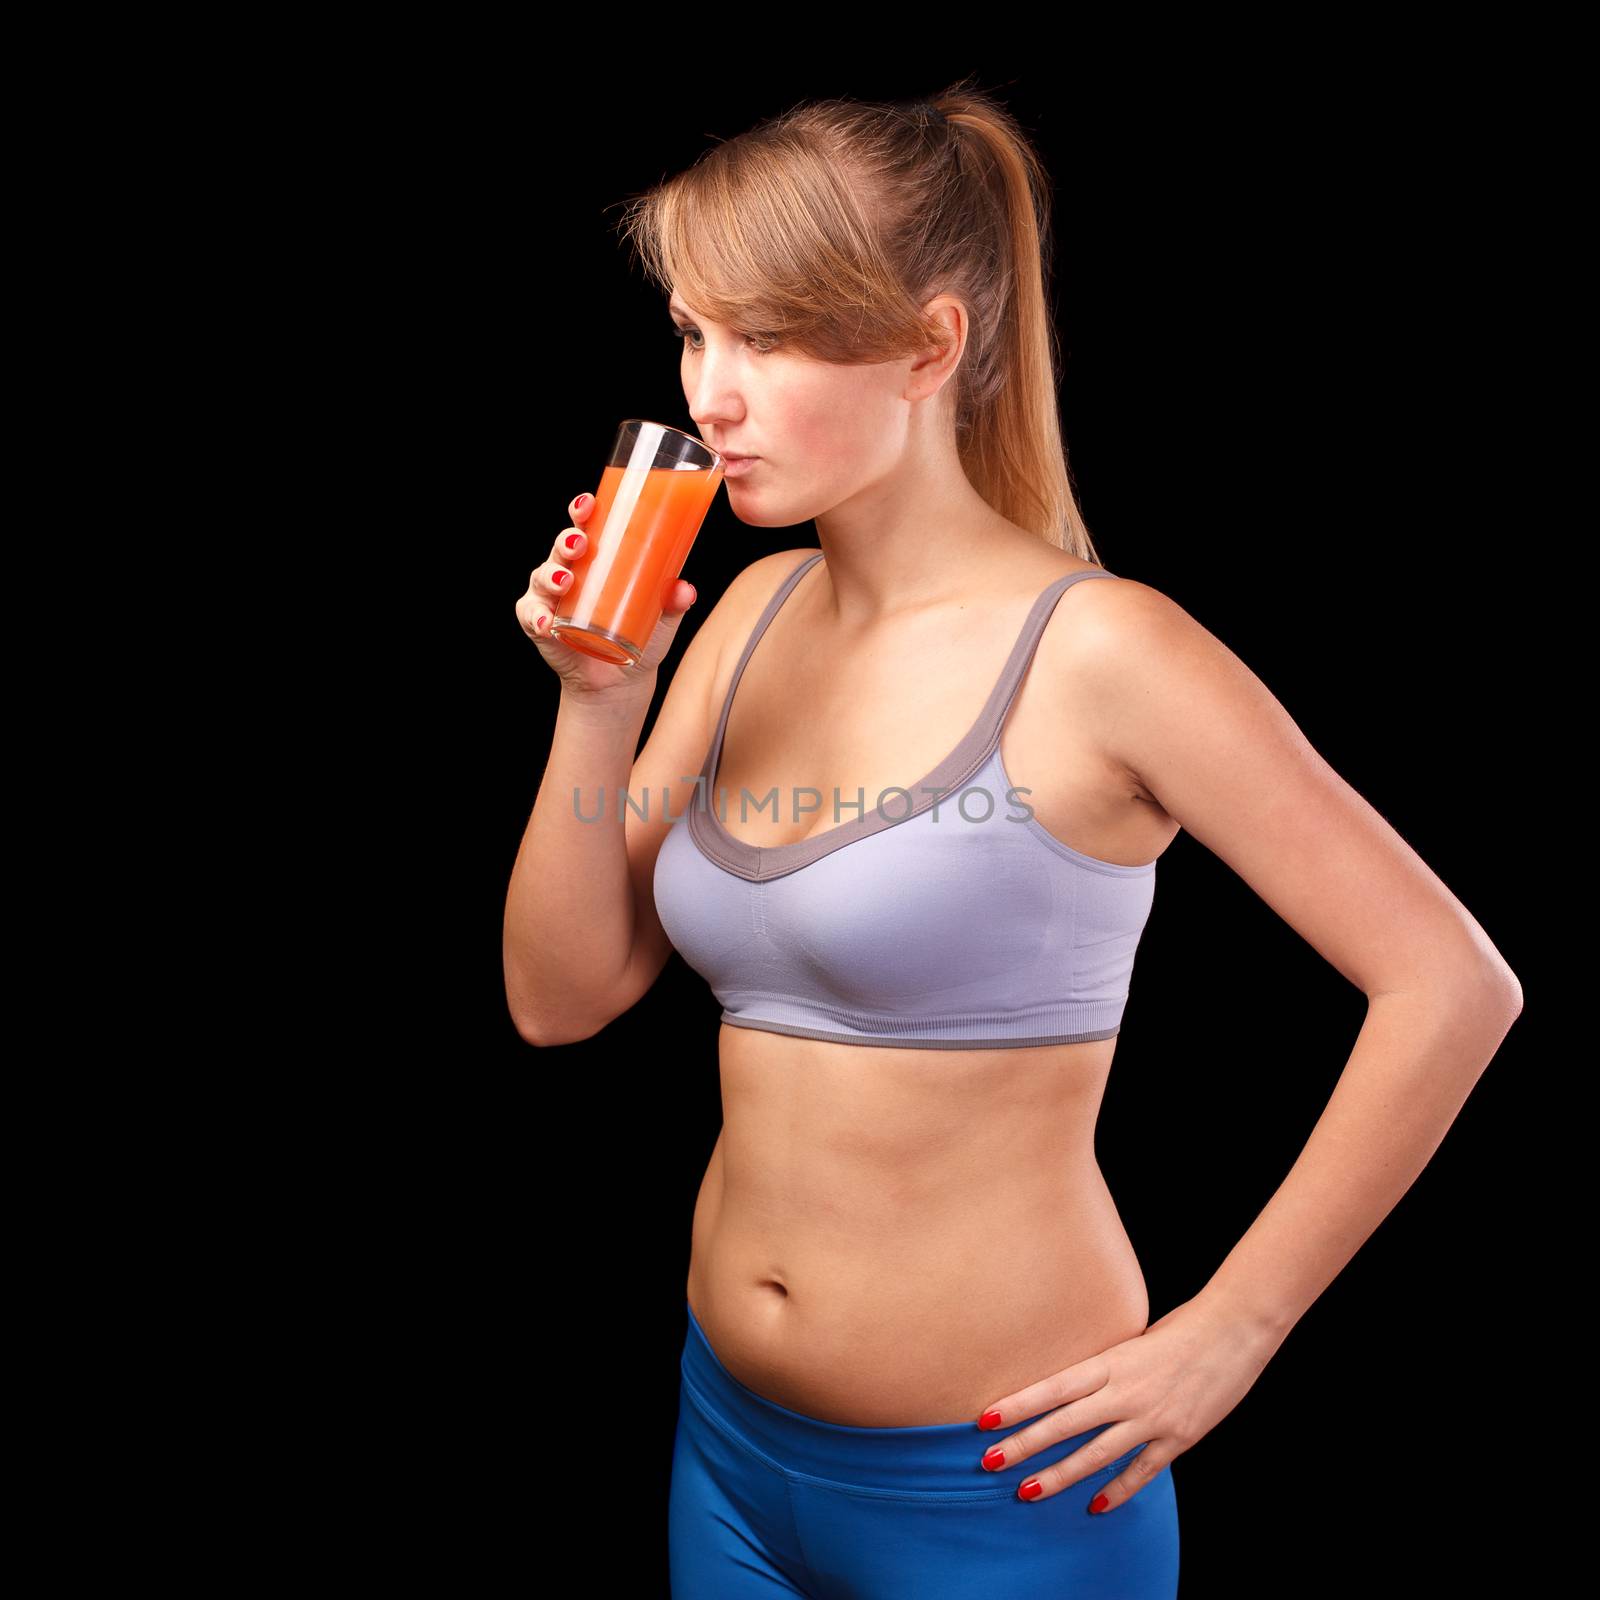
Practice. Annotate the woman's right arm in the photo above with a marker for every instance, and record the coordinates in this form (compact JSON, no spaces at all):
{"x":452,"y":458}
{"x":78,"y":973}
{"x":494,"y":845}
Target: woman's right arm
{"x":570,"y":908}
{"x":581,"y":942}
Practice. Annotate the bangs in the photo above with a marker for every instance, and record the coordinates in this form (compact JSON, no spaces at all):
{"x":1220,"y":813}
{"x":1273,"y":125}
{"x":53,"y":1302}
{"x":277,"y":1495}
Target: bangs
{"x":777,"y":251}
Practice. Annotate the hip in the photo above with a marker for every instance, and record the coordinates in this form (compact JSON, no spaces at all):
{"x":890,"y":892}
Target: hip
{"x":767,"y":1498}
{"x":899,"y":1331}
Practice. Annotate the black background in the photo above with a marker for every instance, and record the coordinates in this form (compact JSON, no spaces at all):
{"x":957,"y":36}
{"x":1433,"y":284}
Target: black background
{"x":1293,"y":400}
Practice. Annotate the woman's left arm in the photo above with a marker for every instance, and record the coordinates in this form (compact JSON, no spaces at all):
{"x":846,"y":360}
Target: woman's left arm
{"x":1200,"y":733}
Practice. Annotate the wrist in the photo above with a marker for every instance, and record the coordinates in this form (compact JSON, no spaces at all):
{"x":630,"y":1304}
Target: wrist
{"x":1256,"y":1318}
{"x":609,"y":708}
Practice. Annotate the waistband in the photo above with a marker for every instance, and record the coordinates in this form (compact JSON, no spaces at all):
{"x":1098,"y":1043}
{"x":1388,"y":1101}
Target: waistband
{"x":935,"y":1458}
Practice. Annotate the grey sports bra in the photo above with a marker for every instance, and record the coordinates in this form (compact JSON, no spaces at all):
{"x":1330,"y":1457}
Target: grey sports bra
{"x":946,"y":918}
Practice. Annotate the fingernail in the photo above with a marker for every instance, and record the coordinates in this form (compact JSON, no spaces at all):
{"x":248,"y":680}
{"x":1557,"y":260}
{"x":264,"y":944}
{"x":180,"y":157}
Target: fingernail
{"x":572,"y":540}
{"x":558,"y":578}
{"x":1099,"y":1503}
{"x":995,"y":1459}
{"x":538,"y":621}
{"x":582,"y":502}
{"x":990,"y":1419}
{"x":1031,"y":1490}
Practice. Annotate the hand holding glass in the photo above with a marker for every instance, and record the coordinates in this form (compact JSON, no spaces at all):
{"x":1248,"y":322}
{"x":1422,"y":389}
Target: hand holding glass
{"x":654,"y":494}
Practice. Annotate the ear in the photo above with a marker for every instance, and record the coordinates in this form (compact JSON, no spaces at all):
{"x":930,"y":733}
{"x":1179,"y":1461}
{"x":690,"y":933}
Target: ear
{"x":930,"y":372}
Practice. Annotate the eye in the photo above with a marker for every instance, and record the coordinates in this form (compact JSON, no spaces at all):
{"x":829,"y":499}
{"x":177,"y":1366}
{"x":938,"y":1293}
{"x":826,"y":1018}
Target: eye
{"x":760,"y":343}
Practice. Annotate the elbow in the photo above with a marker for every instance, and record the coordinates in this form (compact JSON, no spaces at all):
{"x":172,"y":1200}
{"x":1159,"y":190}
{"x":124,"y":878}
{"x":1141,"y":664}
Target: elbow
{"x":1482,"y":984}
{"x":1495,"y":996}
{"x":1513,"y":994}
{"x":571,"y":1018}
{"x":1482,"y":995}
{"x":542,"y":1032}
{"x":1501,"y":987}
{"x":530,"y":1030}
{"x":538,"y":1024}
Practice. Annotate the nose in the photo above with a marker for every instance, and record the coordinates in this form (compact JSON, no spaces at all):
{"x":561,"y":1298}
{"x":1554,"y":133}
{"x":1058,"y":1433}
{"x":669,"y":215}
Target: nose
{"x":712,"y":394}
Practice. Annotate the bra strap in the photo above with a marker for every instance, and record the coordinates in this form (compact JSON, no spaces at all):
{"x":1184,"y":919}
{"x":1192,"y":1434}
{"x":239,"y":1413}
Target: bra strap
{"x":762,"y":622}
{"x":985,"y":732}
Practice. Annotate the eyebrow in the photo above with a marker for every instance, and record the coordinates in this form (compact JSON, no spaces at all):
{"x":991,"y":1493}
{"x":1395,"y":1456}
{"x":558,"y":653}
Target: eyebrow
{"x":672,"y":305}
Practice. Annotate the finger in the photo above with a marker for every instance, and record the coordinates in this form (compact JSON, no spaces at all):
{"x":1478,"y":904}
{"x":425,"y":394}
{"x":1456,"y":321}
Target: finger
{"x":573,"y":542}
{"x":1094,"y":1462}
{"x":1071,"y":1383}
{"x":551,"y":580}
{"x":534,"y":615}
{"x":1135,"y":1476}
{"x":1068,"y":1422}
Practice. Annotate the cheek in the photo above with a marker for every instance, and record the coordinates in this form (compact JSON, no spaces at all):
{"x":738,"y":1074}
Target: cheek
{"x":837,"y":433}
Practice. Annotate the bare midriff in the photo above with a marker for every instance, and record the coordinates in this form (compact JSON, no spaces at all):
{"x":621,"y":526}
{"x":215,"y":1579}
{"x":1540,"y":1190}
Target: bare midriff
{"x":897,"y":1237}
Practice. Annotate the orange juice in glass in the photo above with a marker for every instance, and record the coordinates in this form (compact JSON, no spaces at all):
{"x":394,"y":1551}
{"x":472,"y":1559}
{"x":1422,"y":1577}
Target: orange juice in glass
{"x":654,"y":494}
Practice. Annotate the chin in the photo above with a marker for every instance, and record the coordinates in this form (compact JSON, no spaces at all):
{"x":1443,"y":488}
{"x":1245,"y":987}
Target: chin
{"x":758,"y":519}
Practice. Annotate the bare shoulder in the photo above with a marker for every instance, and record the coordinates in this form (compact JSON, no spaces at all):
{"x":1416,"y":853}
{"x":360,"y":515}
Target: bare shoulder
{"x":1109,"y":623}
{"x":1106,"y":638}
{"x":759,"y":581}
{"x":740,"y":605}
{"x":1118,"y":617}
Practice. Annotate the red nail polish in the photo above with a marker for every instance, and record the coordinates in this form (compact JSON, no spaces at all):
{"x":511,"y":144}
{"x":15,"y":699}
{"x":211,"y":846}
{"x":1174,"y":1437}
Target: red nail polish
{"x":990,"y":1419}
{"x":558,"y":578}
{"x":582,"y":501}
{"x":1099,"y":1503}
{"x":539,"y":621}
{"x":572,"y":540}
{"x":1031,"y":1490}
{"x":995,"y":1459}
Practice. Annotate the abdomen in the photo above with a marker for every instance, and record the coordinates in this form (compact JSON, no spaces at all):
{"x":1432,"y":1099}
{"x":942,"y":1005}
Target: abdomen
{"x":892,"y":1238}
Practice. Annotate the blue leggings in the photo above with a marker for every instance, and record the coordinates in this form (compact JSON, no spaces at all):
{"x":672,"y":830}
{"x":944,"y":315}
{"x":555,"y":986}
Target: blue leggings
{"x":767,"y":1502}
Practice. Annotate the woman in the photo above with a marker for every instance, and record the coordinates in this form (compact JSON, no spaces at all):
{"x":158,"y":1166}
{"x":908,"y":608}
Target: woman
{"x":923,"y":977}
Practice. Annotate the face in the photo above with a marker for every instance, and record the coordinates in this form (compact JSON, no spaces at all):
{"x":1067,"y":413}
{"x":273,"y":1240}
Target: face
{"x":823,"y":432}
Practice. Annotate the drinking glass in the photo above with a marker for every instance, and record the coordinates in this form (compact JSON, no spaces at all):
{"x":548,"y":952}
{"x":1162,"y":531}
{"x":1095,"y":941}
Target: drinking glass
{"x":654,"y":493}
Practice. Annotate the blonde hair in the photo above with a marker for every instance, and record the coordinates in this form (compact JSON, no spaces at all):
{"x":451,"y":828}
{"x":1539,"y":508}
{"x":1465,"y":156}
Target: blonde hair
{"x":829,"y":226}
